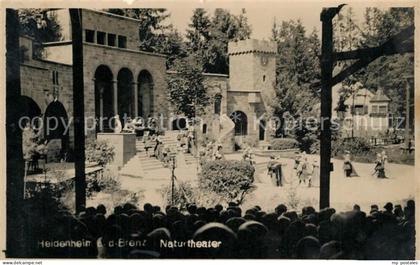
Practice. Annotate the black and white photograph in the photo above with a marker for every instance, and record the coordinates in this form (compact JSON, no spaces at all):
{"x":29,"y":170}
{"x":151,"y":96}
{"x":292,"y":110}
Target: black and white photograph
{"x":209,"y":130}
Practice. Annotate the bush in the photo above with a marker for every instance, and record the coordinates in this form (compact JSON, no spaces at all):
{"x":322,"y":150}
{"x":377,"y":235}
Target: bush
{"x":231,"y":180}
{"x":107,"y":182}
{"x":356,"y":146}
{"x":99,"y":152}
{"x":283,"y":143}
{"x":184,"y":193}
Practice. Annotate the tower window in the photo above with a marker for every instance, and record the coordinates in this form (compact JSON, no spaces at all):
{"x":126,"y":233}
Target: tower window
{"x":122,"y":41}
{"x":263,"y":78}
{"x":90,"y":35}
{"x":100,"y":37}
{"x":111,"y":39}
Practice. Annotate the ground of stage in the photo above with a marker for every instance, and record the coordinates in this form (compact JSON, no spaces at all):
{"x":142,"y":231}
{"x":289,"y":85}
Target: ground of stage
{"x":364,"y":190}
{"x":345,"y":192}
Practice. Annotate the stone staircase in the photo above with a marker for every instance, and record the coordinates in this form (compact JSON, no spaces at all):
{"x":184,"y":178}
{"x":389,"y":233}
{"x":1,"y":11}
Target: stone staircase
{"x":145,"y":167}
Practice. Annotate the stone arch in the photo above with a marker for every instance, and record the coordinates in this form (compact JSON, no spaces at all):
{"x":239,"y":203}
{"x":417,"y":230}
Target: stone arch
{"x":179,"y":123}
{"x":125,"y":82}
{"x":55,"y":123}
{"x":104,"y":99}
{"x":145,"y":98}
{"x":241,"y":122}
{"x":29,"y":108}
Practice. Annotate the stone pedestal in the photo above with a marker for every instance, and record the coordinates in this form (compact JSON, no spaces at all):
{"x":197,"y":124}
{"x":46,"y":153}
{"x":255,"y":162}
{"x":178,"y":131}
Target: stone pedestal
{"x":124,"y":146}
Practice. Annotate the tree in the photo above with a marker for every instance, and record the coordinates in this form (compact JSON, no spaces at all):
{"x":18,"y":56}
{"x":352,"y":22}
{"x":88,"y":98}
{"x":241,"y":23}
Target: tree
{"x":208,"y":38}
{"x":386,"y":72}
{"x":297,"y":67}
{"x":40,"y":25}
{"x":186,"y":90}
{"x":231,"y":180}
{"x":36,"y":23}
{"x":150,"y":24}
{"x":198,"y":36}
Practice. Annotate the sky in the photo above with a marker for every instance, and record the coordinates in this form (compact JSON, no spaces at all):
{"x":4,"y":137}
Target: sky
{"x":261,"y":15}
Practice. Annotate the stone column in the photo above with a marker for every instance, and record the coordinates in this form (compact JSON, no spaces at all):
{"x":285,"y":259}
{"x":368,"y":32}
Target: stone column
{"x":115,"y":99}
{"x":136,"y":101}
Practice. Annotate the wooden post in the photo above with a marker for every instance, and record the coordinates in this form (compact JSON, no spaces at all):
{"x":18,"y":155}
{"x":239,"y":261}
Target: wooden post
{"x":78,"y":108}
{"x":15,"y":242}
{"x":407,"y":117}
{"x":326,"y":101}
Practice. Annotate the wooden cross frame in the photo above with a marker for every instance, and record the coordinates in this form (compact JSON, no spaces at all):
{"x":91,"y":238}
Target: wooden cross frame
{"x":398,"y":44}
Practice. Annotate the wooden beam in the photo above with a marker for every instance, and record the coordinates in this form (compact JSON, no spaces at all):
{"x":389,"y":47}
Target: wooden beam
{"x":78,"y":109}
{"x":15,"y":243}
{"x":389,"y":49}
{"x":326,"y":103}
{"x":399,"y":43}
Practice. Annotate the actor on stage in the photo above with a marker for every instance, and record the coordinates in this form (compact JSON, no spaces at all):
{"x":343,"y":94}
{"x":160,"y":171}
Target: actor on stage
{"x":348,"y":168}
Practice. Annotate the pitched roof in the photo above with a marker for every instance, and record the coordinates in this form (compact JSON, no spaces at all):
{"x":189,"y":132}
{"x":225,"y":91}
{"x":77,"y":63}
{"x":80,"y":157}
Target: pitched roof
{"x":379,"y":96}
{"x":361,"y":97}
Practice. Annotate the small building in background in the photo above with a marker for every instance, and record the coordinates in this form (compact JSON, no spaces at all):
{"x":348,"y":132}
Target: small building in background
{"x":367,"y":113}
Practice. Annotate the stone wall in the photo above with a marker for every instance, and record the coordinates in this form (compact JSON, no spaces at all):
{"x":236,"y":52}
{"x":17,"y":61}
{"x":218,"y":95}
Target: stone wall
{"x":37,"y":82}
{"x":116,"y":59}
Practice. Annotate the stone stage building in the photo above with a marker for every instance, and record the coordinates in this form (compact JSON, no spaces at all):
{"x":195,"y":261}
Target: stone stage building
{"x":121,"y":79}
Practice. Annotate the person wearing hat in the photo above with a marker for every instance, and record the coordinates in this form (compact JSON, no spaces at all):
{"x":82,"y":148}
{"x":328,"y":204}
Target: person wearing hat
{"x":348,"y":166}
{"x":275,"y":171}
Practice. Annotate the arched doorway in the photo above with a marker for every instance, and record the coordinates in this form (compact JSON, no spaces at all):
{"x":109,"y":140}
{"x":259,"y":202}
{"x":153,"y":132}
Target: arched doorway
{"x":241,"y":122}
{"x":55,"y":124}
{"x":262,"y":125}
{"x":125,"y":94}
{"x":103,"y":97}
{"x":145,"y":94}
{"x":29,"y":108}
{"x":29,"y":112}
{"x":179,"y":124}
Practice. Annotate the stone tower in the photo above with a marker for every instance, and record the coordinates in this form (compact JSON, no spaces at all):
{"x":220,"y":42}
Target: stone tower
{"x":252,"y":80}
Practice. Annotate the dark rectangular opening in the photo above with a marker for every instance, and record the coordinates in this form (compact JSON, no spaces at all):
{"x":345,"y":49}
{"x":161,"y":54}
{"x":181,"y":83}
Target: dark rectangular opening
{"x":100,"y":37}
{"x":90,"y":35}
{"x":111,"y":39}
{"x":122,"y":41}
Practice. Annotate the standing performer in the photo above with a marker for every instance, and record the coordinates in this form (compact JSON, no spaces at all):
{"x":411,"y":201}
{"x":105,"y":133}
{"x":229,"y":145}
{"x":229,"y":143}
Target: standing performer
{"x":348,"y":166}
{"x":379,"y":167}
{"x":219,"y":154}
{"x":307,"y":170}
{"x":315,"y":173}
{"x":271,"y":170}
{"x":279,"y":173}
{"x":384,"y":160}
{"x":248,"y":155}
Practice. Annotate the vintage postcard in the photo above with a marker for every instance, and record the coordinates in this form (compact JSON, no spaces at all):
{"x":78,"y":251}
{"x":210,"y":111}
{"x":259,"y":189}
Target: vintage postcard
{"x":209,"y":130}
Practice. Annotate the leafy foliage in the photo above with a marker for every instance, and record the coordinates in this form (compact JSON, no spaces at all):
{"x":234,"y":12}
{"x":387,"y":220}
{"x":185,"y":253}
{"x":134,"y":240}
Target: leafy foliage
{"x":99,"y":152}
{"x":186,"y":90}
{"x":207,"y":38}
{"x":35,"y":22}
{"x":231,"y":180}
{"x":43,"y":27}
{"x":283,"y":143}
{"x":184,"y":193}
{"x":386,"y":72}
{"x":155,"y":34}
{"x":297,"y":67}
{"x":356,"y":146}
{"x":102,"y":183}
